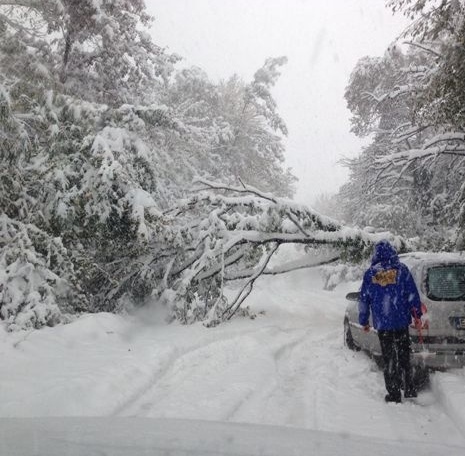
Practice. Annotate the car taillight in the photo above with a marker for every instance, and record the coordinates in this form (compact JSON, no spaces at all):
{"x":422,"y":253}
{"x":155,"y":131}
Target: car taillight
{"x":425,"y":318}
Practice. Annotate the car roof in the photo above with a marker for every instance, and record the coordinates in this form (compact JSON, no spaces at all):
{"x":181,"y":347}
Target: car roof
{"x":432,"y":258}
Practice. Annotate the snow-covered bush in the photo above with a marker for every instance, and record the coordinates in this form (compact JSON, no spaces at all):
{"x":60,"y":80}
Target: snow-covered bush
{"x":33,"y":268}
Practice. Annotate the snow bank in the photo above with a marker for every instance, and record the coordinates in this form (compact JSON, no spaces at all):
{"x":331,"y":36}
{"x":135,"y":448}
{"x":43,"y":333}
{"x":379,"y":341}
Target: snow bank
{"x":449,"y":387}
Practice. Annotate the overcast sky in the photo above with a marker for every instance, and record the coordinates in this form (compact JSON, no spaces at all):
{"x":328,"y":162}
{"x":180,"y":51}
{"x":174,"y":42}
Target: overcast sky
{"x":323,"y":39}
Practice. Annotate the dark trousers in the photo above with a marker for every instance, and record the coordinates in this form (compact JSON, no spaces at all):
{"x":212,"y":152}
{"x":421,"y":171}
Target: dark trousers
{"x":395,"y":348}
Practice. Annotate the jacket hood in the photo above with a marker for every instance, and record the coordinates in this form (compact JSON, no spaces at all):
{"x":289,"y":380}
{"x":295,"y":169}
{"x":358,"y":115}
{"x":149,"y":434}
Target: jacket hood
{"x":385,"y":253}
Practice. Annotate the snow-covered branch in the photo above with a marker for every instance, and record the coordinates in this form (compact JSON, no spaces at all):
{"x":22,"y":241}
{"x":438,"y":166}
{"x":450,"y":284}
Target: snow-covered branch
{"x":302,"y":263}
{"x":234,"y":233}
{"x":400,"y":158}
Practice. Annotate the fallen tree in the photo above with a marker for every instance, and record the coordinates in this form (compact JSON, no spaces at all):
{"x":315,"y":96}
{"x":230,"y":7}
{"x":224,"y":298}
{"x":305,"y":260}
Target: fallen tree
{"x":232,"y":233}
{"x":218,"y":235}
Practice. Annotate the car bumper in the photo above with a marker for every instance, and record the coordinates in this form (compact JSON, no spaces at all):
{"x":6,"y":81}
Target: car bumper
{"x":438,"y":359}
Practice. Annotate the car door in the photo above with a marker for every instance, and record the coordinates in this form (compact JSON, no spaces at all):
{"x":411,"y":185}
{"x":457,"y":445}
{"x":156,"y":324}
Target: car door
{"x":365,"y":340}
{"x":445,"y":302}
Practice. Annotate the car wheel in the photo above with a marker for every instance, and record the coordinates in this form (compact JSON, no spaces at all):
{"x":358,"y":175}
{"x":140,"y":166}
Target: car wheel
{"x":348,"y":339}
{"x":379,"y":361}
{"x":420,"y":376}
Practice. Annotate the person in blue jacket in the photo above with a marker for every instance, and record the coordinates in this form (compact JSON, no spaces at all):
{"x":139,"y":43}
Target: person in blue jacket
{"x":390,"y":294}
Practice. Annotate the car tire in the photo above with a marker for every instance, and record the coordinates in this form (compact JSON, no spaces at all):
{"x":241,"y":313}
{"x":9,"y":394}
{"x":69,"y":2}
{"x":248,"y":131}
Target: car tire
{"x":378,"y":359}
{"x":348,"y":339}
{"x":420,"y":376}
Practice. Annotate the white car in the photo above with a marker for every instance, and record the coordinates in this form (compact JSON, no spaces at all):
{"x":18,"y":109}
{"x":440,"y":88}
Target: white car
{"x":440,"y":344}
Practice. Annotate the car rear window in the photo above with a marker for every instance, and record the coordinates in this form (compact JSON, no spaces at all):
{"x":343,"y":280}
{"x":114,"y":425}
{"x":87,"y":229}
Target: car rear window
{"x":446,"y":283}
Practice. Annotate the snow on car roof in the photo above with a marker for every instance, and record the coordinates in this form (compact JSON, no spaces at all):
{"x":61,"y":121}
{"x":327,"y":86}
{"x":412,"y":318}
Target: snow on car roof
{"x":433,"y":257}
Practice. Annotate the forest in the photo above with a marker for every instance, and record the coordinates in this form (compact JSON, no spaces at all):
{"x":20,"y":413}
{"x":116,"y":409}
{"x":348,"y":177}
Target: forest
{"x":127,"y":179}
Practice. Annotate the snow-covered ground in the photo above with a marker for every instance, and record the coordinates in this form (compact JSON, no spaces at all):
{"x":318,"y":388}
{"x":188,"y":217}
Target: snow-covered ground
{"x":136,"y":386}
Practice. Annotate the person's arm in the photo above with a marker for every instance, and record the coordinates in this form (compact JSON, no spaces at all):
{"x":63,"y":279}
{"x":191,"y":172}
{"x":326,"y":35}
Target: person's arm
{"x":364,"y":302}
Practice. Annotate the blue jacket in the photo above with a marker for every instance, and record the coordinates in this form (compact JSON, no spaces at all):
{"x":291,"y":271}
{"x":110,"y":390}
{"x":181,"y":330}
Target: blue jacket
{"x":388,"y":291}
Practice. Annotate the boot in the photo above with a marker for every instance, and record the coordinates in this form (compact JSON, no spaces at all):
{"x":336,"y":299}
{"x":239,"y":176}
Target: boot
{"x":393,"y":398}
{"x":410,"y":392}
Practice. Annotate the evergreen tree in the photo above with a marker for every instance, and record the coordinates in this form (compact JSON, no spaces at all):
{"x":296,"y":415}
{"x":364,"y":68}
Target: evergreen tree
{"x":99,"y":135}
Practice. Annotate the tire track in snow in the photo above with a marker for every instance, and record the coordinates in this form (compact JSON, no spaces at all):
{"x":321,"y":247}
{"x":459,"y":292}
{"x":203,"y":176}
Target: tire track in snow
{"x":283,"y":400}
{"x":280,"y":382}
{"x":163,"y":369}
{"x":146,"y":385}
{"x":140,"y":402}
{"x":298,"y":369}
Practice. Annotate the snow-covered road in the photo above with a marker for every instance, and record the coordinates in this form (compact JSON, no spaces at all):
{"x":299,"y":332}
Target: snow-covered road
{"x":288,"y":367}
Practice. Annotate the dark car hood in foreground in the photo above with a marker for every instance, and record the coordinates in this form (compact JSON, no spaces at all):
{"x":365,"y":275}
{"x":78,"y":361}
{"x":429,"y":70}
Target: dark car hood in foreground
{"x":153,"y":437}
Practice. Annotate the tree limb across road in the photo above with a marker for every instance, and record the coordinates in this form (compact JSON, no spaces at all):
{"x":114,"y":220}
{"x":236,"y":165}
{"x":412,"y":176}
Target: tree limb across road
{"x":233,"y":233}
